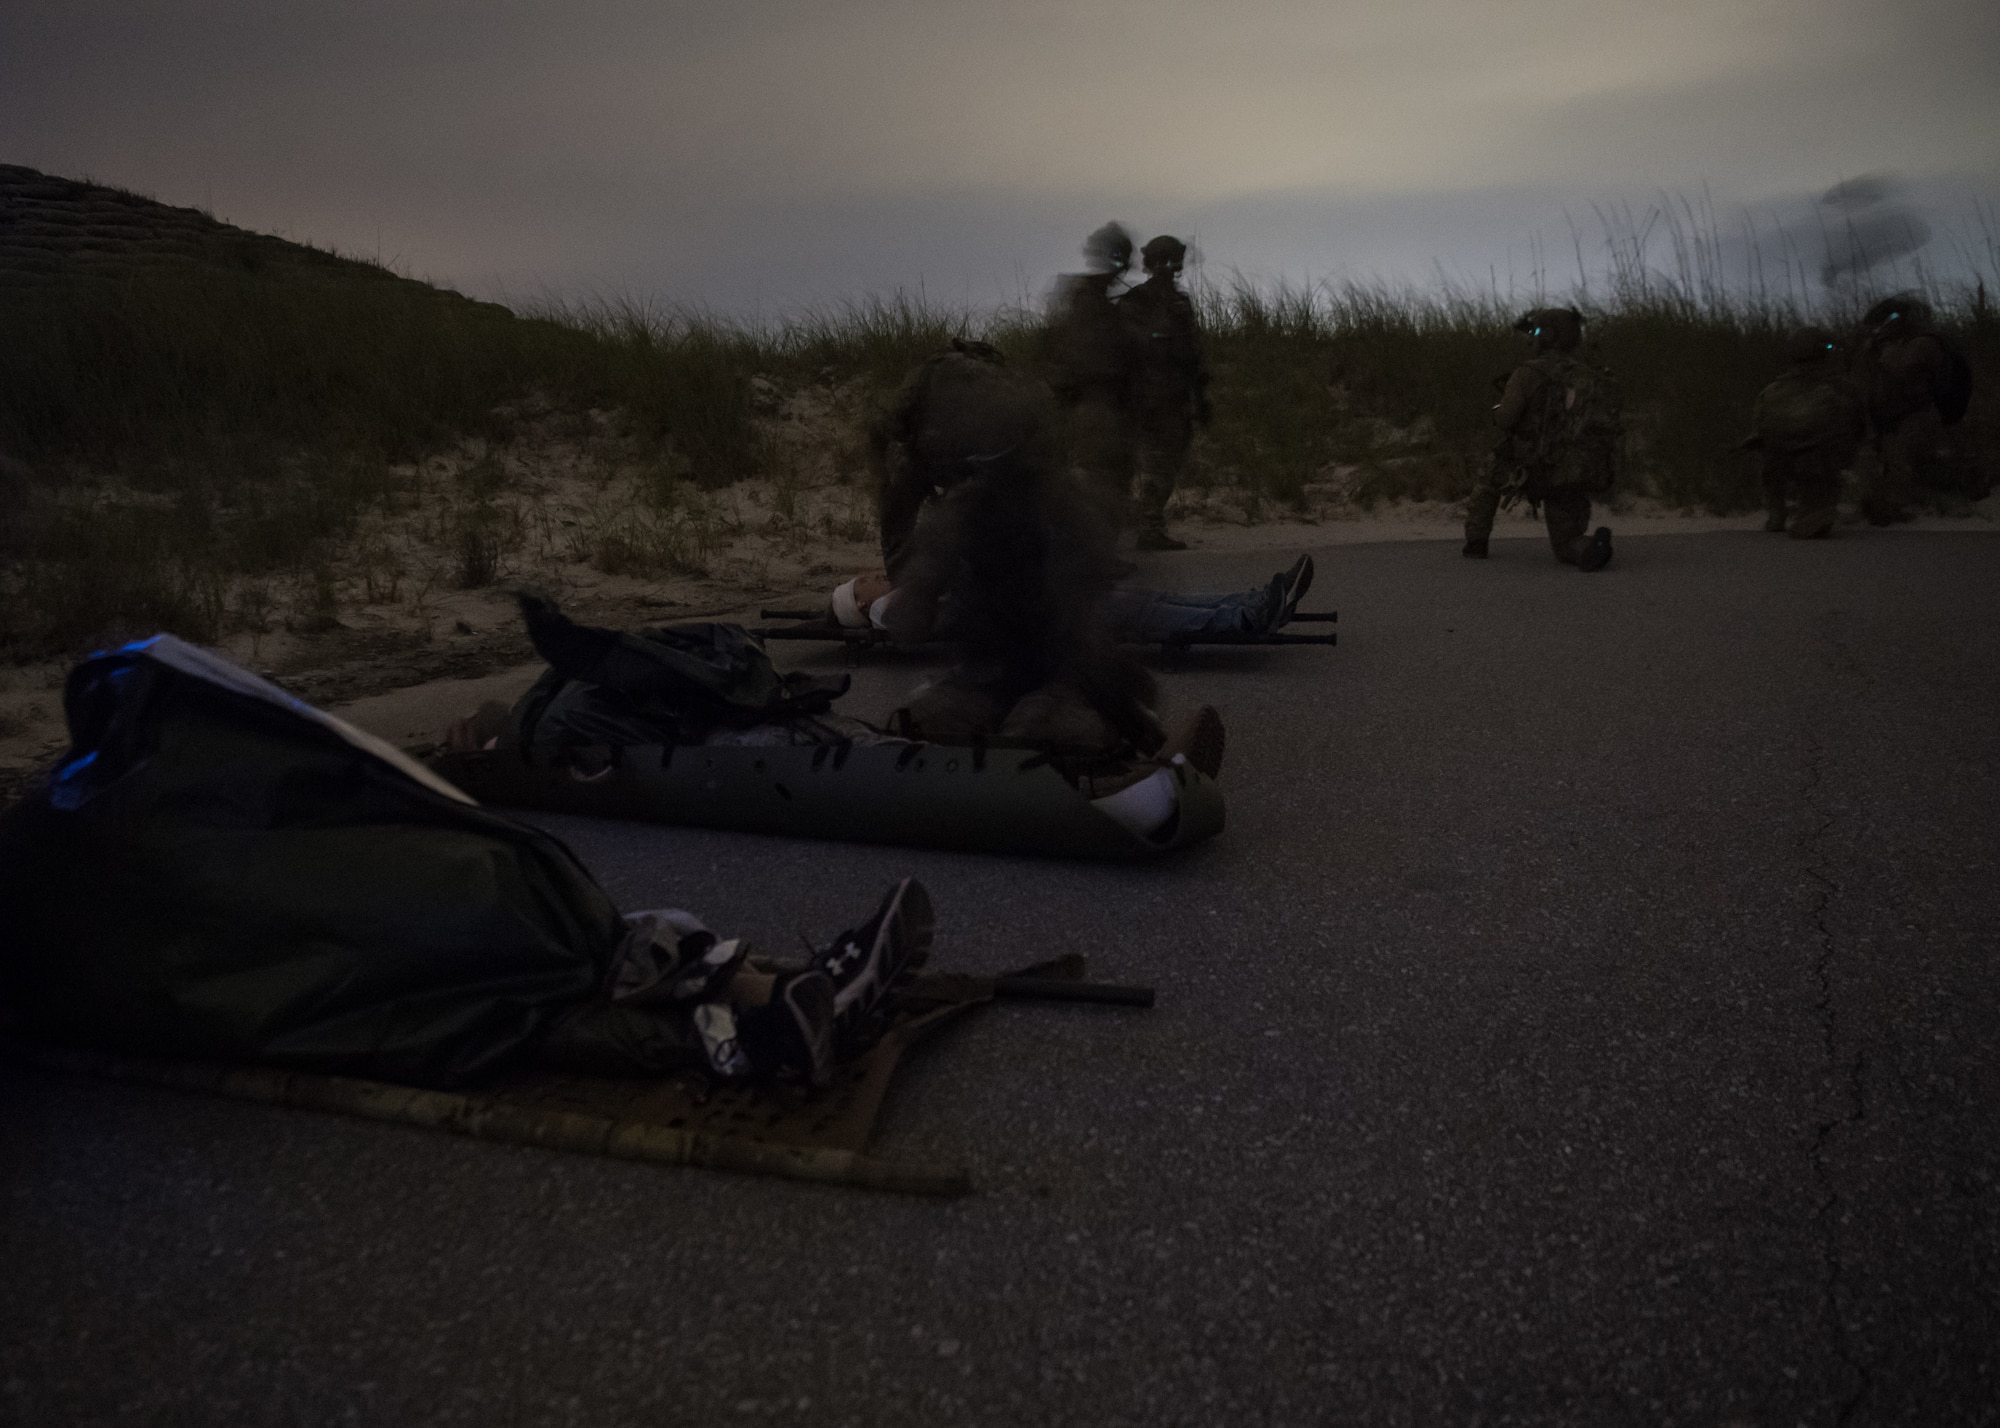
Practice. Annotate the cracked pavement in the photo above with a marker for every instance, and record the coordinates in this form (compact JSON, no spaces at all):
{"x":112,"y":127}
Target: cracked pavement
{"x":1590,"y":1015}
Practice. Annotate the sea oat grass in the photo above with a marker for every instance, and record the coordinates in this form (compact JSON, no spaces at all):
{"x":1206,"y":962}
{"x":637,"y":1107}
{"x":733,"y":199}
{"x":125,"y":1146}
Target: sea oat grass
{"x":207,"y":430}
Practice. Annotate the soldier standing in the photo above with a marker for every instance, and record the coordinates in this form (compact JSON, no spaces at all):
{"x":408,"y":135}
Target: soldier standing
{"x":1559,"y":429}
{"x":1170,"y":387}
{"x":1092,"y":370}
{"x":1808,"y":424}
{"x":1916,"y":385}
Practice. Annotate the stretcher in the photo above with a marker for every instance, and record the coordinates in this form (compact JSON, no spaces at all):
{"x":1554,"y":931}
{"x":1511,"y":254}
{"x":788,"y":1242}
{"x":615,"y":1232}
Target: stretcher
{"x":996,"y":796}
{"x":689,"y":1120}
{"x":805,"y":625}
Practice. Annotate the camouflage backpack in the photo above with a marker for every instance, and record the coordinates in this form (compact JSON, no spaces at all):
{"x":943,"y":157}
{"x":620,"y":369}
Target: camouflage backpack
{"x":1579,"y":426}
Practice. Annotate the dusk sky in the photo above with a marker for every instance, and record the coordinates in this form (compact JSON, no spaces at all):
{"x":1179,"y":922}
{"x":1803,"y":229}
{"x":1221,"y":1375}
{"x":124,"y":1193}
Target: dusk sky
{"x":758,"y":155}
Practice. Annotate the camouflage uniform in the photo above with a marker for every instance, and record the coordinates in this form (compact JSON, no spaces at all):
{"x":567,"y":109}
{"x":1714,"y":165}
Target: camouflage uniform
{"x":1011,"y":564}
{"x":1091,"y":372}
{"x":1809,"y":425}
{"x":1915,"y":386}
{"x":959,"y":411}
{"x":1170,"y":387}
{"x":1527,"y":456}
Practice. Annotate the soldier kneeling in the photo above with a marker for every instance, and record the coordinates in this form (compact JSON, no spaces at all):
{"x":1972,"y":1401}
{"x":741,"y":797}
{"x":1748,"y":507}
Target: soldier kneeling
{"x":1559,"y":420}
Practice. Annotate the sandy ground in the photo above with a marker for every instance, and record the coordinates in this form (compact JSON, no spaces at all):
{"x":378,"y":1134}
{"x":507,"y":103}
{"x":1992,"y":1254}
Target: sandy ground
{"x":405,"y":669}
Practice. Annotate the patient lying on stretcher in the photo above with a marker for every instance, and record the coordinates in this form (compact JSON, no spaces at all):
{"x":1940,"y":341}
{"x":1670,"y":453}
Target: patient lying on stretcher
{"x":1135,"y":615}
{"x":713,"y":685}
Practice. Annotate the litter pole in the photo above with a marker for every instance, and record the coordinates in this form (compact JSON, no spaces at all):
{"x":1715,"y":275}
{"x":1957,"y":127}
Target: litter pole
{"x":491,"y":1118}
{"x":1063,"y":989}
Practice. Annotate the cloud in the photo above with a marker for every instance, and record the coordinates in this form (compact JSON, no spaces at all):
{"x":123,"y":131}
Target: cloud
{"x":612,"y":142}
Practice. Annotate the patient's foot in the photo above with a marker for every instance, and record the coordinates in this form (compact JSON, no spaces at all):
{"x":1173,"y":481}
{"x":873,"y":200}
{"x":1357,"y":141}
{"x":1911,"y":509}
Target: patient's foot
{"x":481,"y":730}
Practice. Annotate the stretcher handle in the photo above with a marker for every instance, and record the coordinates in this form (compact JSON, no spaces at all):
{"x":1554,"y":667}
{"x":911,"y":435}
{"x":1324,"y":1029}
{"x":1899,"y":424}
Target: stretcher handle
{"x":1323,"y":617}
{"x":1181,"y":642}
{"x":807,"y":615}
{"x":1064,"y":989}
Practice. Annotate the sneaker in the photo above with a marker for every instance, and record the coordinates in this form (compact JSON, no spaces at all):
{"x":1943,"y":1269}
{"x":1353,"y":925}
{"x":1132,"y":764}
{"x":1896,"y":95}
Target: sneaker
{"x":1597,"y":554}
{"x":1159,"y":540}
{"x":1298,"y":580}
{"x":1270,"y":613}
{"x":1474,"y":550}
{"x":798,"y":1029}
{"x":868,"y":965}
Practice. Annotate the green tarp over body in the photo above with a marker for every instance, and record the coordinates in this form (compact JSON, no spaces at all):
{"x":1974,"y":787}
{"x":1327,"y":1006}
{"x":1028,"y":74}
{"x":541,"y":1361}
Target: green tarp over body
{"x":220,"y":871}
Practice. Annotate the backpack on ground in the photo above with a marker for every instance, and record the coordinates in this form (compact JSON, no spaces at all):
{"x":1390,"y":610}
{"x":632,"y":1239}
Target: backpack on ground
{"x":668,"y":685}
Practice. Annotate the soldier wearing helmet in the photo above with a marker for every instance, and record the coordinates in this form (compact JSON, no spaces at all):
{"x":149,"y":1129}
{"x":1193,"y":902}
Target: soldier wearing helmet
{"x":962,"y":413}
{"x":1559,"y":426}
{"x":1091,"y":368}
{"x":1170,"y":384}
{"x":1916,"y":385}
{"x":1808,"y":427}
{"x":990,"y":544}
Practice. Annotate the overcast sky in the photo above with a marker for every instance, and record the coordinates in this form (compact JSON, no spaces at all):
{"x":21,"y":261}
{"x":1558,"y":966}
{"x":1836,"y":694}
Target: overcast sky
{"x":755,"y":155}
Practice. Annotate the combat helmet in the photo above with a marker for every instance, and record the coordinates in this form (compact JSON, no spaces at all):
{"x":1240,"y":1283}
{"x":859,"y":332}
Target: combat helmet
{"x":1165,"y":251}
{"x":1906,"y":311}
{"x":1109,"y":249}
{"x":1557,"y":328}
{"x":1812,"y":344}
{"x":978,"y":351}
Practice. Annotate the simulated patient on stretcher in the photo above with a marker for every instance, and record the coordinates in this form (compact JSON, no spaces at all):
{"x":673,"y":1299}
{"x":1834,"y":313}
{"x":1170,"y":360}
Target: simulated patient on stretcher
{"x":713,"y":687}
{"x":1134,"y":614}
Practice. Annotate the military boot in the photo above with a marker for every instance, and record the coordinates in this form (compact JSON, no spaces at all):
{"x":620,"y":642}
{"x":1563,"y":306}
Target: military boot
{"x":1156,"y":538}
{"x":1597,"y":554}
{"x":1475,"y":549}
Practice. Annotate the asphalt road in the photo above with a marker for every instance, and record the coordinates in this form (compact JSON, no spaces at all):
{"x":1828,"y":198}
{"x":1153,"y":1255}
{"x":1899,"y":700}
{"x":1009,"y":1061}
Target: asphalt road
{"x":1591,"y":1015}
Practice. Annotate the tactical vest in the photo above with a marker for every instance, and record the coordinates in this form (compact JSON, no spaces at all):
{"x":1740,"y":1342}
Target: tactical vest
{"x":1090,"y":348}
{"x":1166,"y":338}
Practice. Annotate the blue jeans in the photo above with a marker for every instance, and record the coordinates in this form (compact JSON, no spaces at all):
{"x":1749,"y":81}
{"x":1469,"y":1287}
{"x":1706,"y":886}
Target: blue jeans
{"x":1148,"y":615}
